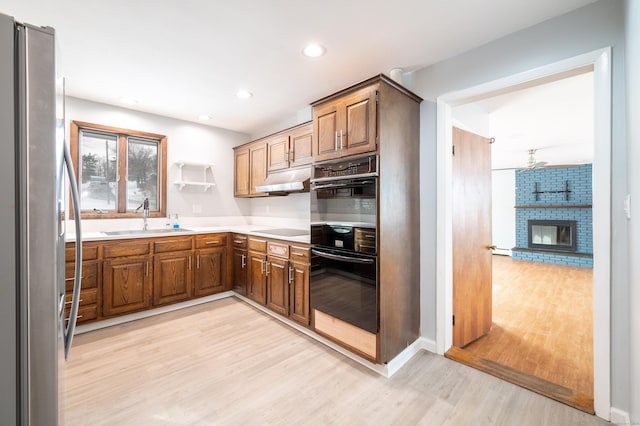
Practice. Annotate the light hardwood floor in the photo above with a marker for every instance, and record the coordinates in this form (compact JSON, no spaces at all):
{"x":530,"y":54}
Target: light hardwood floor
{"x":225,"y":362}
{"x":543,"y":326}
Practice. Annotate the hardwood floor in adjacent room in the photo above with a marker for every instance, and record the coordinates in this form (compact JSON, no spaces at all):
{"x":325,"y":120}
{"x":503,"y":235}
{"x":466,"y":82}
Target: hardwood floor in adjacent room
{"x":225,"y":362}
{"x":543,"y":327}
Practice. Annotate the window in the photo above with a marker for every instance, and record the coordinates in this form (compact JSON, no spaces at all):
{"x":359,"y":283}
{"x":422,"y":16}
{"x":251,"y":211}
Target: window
{"x":117,"y":169}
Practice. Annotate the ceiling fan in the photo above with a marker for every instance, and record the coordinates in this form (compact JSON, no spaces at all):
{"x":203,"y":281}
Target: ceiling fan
{"x":531,"y":161}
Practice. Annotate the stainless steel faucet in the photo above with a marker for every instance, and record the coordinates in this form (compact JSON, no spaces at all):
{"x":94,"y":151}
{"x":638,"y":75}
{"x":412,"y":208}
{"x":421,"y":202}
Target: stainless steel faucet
{"x":145,"y":213}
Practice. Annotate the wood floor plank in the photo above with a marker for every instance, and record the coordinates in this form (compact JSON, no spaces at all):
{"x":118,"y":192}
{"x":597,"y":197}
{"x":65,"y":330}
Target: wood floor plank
{"x":226,"y":363}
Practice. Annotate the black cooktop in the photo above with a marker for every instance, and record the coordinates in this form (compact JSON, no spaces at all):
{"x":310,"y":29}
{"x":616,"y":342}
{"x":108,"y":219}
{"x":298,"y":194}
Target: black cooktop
{"x":285,"y":232}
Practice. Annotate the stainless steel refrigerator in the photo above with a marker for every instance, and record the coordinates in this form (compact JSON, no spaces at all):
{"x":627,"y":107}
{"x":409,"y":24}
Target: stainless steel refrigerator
{"x":35,"y":337}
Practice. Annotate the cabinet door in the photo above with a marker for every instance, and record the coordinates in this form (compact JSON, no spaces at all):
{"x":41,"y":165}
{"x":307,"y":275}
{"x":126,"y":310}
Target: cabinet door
{"x":126,"y":284}
{"x":278,"y":152}
{"x":172,"y":277}
{"x":359,"y":132}
{"x":256,"y":278}
{"x":299,"y":302}
{"x":240,"y":271}
{"x":241,"y":172}
{"x":258,"y":165}
{"x":211,"y":271}
{"x":278,"y":285}
{"x":325,"y":127}
{"x":301,"y":146}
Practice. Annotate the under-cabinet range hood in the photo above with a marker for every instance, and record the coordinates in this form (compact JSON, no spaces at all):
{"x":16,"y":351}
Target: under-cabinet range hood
{"x":284,"y":182}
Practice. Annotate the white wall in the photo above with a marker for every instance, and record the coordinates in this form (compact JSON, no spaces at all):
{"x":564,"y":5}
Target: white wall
{"x":632,"y":62}
{"x":503,"y":189}
{"x":587,"y":29}
{"x":185,"y":141}
{"x":472,"y":118}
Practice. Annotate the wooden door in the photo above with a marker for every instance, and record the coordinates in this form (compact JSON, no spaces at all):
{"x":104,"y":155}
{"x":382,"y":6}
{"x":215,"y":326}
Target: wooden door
{"x":278,"y":285}
{"x":360,"y":122}
{"x":172,"y":277}
{"x":126,"y":285}
{"x":211,"y":271}
{"x":301,"y":146}
{"x":299,"y":298}
{"x":256,"y":278}
{"x":258,"y":166}
{"x":325,"y":136}
{"x":278,"y":152}
{"x":241,"y":172}
{"x":471,"y":237}
{"x":240,"y":271}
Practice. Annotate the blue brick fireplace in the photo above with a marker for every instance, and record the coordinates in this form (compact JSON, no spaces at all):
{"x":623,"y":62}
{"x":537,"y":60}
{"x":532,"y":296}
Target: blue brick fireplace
{"x":555,"y":194}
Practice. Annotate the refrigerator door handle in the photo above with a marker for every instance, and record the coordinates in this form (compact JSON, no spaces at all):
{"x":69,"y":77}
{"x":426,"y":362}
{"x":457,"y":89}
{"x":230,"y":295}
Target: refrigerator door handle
{"x":77,"y":285}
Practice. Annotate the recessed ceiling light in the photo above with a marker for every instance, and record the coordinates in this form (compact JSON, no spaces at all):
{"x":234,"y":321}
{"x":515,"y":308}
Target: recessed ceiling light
{"x":128,"y":101}
{"x":244,"y":94}
{"x":313,"y":50}
{"x":204,"y":117}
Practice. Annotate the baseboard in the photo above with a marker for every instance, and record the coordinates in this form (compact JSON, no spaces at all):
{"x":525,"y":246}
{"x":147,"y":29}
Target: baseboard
{"x":620,"y":417}
{"x":97,"y":325}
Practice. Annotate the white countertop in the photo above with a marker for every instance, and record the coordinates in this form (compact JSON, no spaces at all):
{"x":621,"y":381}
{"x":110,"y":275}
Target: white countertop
{"x":192,"y":230}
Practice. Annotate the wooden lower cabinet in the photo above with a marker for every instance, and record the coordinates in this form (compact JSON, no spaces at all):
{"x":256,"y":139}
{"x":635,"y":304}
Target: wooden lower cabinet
{"x":240,"y":271}
{"x":89,"y":293}
{"x":172,"y":277}
{"x":278,"y":285}
{"x":126,"y":285}
{"x":211,"y":271}
{"x":299,"y":292}
{"x":256,"y":277}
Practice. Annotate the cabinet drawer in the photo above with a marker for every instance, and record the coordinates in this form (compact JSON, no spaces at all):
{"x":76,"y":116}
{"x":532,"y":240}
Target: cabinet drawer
{"x":256,"y":244}
{"x":277,"y":249}
{"x":174,"y":244}
{"x":85,"y":313}
{"x":299,"y":253}
{"x":89,"y":275}
{"x":89,"y":252}
{"x":211,"y":240}
{"x":239,"y":241}
{"x":87,"y":297}
{"x":126,"y":249}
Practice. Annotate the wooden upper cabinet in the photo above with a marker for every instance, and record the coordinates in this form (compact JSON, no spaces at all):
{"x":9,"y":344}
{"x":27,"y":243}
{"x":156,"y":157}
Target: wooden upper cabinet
{"x":241,"y":172}
{"x":301,"y":145}
{"x":258,"y":167}
{"x":346,"y":125}
{"x":290,"y":148}
{"x":278,"y":147}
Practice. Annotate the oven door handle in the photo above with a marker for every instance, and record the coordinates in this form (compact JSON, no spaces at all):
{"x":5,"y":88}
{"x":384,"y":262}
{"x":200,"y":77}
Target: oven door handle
{"x":343,"y":185}
{"x":342,"y":258}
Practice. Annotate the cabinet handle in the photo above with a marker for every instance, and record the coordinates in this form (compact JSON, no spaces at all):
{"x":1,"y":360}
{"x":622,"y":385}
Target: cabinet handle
{"x":262,"y":267}
{"x":243,"y":261}
{"x":212,"y":242}
{"x":71,"y":301}
{"x":266,"y":268}
{"x":336,"y":140}
{"x":147,"y":268}
{"x":238,"y":241}
{"x":189,"y":262}
{"x":198,"y":262}
{"x":340,"y":138}
{"x":290,"y":274}
{"x":298,"y":254}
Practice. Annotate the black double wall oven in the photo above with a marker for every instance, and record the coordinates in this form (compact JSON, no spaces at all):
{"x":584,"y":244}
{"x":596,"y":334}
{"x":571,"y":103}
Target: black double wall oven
{"x":344,"y":238}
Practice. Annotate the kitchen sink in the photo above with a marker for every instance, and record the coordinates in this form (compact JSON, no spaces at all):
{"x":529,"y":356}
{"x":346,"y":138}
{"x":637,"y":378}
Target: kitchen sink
{"x":148,"y":231}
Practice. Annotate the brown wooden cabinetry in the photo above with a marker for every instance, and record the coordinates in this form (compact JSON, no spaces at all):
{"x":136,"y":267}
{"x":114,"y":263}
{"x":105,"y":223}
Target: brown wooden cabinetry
{"x":211,"y":264}
{"x":126,"y":285}
{"x":345,"y":124}
{"x":239,"y":244}
{"x":91,"y":283}
{"x":278,"y":278}
{"x":299,"y":269}
{"x":290,"y":148}
{"x":250,"y":169}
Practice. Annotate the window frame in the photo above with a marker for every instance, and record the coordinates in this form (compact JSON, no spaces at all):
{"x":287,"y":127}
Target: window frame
{"x":75,"y":128}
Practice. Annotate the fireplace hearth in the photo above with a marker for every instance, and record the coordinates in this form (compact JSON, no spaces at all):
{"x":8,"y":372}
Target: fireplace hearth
{"x":553,"y":235}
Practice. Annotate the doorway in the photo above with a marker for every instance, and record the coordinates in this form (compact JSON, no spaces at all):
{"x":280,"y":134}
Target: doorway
{"x":600,"y":61}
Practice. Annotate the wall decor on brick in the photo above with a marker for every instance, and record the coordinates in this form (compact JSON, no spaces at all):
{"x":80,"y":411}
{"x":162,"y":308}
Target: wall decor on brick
{"x":541,"y":194}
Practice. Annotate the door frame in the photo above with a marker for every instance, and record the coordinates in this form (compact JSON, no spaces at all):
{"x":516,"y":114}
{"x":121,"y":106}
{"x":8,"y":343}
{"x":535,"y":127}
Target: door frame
{"x":600,"y":60}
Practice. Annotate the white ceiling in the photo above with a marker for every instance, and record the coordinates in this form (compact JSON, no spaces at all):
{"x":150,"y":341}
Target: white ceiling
{"x":554,"y":118}
{"x":184,"y":58}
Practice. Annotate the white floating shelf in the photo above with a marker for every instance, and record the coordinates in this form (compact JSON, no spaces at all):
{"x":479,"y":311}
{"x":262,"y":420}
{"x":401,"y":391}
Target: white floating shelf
{"x":181,"y":182}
